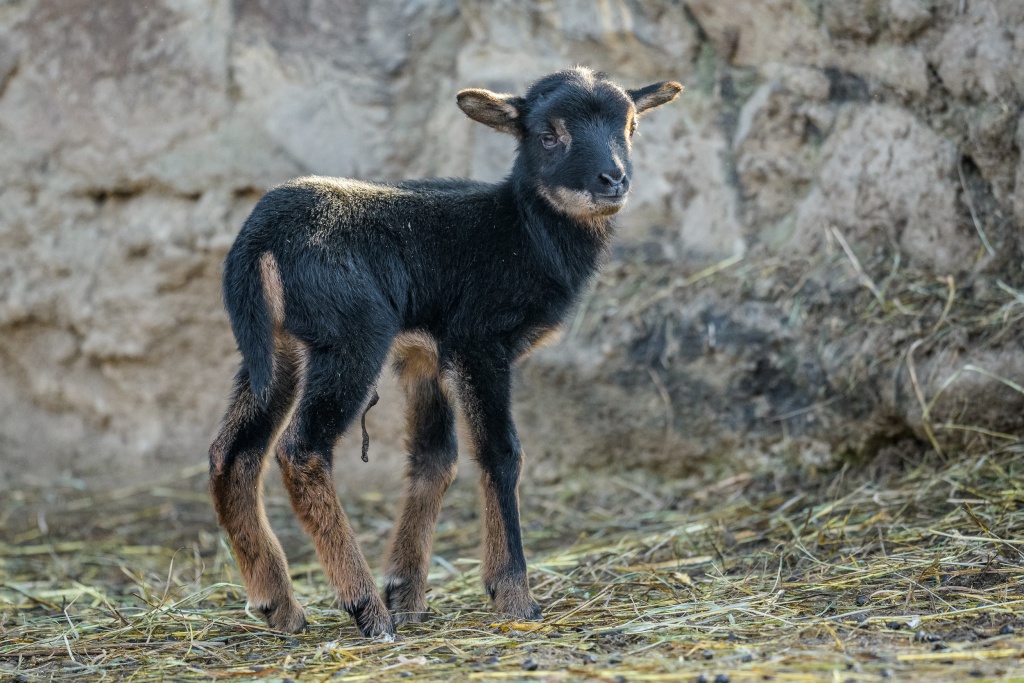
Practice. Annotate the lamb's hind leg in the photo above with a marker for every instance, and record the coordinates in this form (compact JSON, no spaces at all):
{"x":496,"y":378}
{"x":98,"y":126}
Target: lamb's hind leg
{"x":336,"y":387}
{"x":236,"y":471}
{"x":432,"y":454}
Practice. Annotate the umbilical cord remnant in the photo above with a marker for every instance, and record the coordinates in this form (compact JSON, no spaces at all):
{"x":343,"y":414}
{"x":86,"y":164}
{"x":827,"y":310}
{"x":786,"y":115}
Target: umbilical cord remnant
{"x":366,"y":435}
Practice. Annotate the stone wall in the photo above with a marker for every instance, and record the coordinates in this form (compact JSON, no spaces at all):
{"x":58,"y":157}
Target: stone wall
{"x":134,"y":138}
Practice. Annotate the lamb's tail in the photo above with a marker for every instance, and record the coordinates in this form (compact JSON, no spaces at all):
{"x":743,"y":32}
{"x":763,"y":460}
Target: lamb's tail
{"x":254,"y":300}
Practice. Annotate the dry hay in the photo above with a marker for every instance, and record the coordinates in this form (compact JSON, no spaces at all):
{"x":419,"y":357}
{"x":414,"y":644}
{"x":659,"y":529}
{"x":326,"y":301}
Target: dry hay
{"x":904,"y":567}
{"x":908,"y":569}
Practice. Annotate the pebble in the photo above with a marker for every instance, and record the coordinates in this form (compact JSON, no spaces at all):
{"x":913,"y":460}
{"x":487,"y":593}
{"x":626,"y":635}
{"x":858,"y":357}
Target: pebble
{"x":530,"y":664}
{"x":1006,"y":630}
{"x":702,"y":678}
{"x":722,"y":678}
{"x":615,"y":658}
{"x":491,"y":660}
{"x":862,"y":600}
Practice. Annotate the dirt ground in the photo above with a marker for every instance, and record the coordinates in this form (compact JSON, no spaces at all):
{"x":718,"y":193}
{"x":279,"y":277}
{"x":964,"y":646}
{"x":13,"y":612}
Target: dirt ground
{"x":904,"y":568}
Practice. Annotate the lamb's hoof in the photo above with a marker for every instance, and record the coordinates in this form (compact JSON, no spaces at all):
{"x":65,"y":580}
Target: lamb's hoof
{"x":528,"y":611}
{"x":373,"y":619}
{"x":517,"y":603}
{"x":411,"y":617}
{"x":286,"y":615}
{"x":406,"y":601}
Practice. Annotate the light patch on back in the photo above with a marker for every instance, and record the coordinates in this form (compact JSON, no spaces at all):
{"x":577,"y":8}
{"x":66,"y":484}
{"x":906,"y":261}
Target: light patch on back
{"x":346,"y":187}
{"x":340,"y":203}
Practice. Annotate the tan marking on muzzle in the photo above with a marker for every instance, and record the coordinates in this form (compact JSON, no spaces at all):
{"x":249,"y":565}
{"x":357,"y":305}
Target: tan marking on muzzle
{"x":580,"y":205}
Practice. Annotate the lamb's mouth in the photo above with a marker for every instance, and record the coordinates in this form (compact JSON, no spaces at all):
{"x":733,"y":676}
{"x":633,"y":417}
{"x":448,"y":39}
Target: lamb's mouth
{"x":583,"y":203}
{"x":607,"y":204}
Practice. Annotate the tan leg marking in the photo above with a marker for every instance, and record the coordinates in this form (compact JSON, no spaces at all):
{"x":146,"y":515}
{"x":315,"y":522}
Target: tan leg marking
{"x":428,"y":476}
{"x":539,"y":340}
{"x":237,"y":492}
{"x":510,"y":593}
{"x":506,"y":584}
{"x":409,"y":549}
{"x":315,"y":502}
{"x":415,"y":358}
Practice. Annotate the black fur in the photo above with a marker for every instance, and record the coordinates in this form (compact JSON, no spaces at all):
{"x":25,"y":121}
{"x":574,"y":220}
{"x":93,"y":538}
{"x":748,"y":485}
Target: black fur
{"x":484,"y":270}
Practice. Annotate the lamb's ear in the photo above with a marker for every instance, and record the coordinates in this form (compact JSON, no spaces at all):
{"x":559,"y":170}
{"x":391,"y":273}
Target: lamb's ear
{"x":654,"y":95}
{"x":500,"y":112}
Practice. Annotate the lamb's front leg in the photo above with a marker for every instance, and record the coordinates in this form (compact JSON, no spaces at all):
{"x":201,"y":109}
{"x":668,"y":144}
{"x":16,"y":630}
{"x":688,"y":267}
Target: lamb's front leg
{"x":485,"y":380}
{"x":432,"y":454}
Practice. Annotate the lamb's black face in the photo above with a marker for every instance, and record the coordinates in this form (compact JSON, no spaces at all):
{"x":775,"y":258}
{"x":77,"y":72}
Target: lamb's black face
{"x":577,"y":144}
{"x":575,"y":131}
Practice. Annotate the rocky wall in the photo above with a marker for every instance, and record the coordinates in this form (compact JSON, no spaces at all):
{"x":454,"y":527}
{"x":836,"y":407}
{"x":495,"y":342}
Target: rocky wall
{"x":825,"y":155}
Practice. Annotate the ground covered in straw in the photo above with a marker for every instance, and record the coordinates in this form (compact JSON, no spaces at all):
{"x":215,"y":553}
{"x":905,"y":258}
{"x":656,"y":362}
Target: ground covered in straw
{"x":908,"y":569}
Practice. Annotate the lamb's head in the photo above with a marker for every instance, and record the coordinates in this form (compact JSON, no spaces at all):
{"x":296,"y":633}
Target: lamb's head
{"x":575,"y":131}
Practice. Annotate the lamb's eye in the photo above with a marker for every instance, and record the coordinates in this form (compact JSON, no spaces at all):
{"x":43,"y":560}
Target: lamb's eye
{"x":549,"y":140}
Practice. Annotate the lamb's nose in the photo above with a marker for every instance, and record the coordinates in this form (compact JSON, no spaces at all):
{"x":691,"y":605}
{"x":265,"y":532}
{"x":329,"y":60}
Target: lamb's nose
{"x":611,"y":180}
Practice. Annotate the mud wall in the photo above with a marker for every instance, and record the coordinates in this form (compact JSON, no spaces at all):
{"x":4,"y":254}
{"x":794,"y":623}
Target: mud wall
{"x":842,"y":162}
